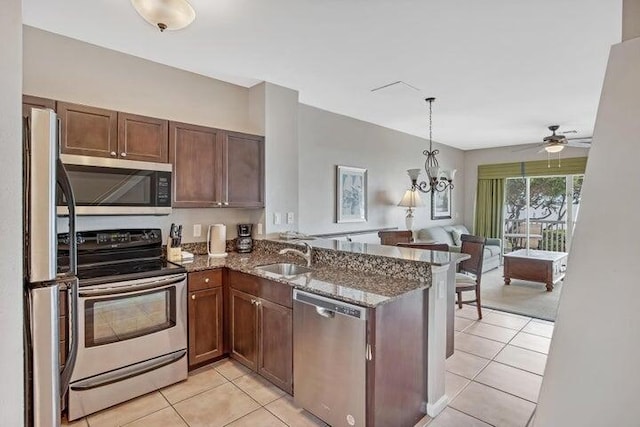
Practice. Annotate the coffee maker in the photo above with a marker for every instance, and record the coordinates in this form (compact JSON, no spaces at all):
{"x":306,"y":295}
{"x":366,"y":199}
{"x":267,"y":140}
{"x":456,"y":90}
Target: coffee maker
{"x":244,"y":242}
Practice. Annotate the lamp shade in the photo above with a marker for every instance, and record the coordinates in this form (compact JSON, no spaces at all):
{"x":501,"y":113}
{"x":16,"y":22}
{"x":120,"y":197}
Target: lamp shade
{"x":411,"y":199}
{"x":165,"y":14}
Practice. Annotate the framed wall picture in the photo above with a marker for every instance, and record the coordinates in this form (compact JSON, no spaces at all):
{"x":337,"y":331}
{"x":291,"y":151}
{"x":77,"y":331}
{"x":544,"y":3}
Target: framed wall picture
{"x":351,"y":194}
{"x":441,"y":204}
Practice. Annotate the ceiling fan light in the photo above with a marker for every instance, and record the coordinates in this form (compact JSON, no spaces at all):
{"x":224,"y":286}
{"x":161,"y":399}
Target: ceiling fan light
{"x":165,"y":14}
{"x":555,"y":148}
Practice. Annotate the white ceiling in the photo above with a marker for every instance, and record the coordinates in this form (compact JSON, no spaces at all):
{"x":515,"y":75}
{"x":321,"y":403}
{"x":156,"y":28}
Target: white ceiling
{"x":501,"y":70}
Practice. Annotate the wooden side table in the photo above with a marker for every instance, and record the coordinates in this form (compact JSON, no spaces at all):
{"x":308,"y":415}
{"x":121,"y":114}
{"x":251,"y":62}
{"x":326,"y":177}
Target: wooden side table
{"x":536,"y":266}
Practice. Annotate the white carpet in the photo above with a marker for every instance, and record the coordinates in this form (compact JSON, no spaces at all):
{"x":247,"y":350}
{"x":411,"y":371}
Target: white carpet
{"x":521,"y":297}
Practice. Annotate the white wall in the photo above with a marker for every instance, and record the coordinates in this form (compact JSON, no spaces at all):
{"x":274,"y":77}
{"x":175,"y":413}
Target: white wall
{"x":11,"y":350}
{"x":474,"y":158}
{"x":327,"y":139}
{"x":630,"y":19}
{"x":591,"y":377}
{"x":65,"y":69}
{"x":281,"y":157}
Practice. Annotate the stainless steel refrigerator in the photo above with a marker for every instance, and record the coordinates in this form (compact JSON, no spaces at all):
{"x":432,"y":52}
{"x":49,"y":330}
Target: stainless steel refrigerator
{"x":46,"y":380}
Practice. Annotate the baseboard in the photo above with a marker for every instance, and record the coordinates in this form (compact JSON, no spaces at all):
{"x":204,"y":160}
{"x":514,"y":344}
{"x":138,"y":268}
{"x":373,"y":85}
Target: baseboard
{"x":433,"y":409}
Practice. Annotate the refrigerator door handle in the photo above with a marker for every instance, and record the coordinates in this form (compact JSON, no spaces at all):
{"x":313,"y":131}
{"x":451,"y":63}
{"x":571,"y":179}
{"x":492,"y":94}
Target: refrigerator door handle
{"x":65,"y":185}
{"x":67,"y":190}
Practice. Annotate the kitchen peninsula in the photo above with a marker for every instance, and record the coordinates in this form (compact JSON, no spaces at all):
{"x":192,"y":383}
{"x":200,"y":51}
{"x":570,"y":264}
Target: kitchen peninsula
{"x":403,"y":292}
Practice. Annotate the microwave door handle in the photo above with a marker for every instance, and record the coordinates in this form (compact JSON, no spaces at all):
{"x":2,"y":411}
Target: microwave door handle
{"x":67,"y":190}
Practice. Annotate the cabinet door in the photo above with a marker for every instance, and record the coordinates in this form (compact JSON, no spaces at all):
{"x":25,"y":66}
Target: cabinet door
{"x":143,"y":138}
{"x":243,"y":332}
{"x":88,"y":131}
{"x":275,"y":361}
{"x":244,"y":155}
{"x":205,"y":325}
{"x":29,"y":102}
{"x":195,"y":153}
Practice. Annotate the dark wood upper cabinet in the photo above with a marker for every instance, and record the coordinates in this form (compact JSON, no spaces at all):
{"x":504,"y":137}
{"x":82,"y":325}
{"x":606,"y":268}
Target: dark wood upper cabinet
{"x":275,"y":346}
{"x":88,"y":131}
{"x":195,"y":152}
{"x":143,"y":138}
{"x":244,"y":184}
{"x":91,"y":131}
{"x":29,"y":102}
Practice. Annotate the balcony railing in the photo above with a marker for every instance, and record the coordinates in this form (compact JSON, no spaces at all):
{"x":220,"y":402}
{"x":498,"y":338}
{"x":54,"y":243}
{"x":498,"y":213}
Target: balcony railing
{"x":546,"y":235}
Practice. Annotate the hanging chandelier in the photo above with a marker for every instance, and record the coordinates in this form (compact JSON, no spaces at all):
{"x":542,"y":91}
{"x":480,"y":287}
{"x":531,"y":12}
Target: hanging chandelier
{"x":437,"y":180}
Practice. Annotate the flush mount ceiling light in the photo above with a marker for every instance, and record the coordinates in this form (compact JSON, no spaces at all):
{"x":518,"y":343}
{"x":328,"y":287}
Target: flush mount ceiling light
{"x":165,"y":14}
{"x":437,"y":179}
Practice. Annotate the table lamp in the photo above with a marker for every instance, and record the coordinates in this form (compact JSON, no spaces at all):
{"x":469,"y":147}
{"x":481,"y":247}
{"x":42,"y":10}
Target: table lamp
{"x":410,"y":200}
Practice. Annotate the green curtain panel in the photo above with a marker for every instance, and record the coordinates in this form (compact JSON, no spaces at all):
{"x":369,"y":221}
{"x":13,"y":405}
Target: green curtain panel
{"x":569,"y":166}
{"x":489,"y":207}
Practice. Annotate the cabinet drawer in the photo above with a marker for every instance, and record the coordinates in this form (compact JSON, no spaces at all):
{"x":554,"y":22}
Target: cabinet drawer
{"x":204,"y":280}
{"x":275,"y":292}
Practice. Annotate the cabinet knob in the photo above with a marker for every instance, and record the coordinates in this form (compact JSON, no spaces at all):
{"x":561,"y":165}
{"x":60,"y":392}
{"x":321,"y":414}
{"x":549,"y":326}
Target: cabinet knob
{"x":226,"y":203}
{"x":206,"y":280}
{"x":193,"y":296}
{"x":123,"y":154}
{"x":254,"y":302}
{"x":113,"y":154}
{"x":219,"y":204}
{"x":258,"y":303}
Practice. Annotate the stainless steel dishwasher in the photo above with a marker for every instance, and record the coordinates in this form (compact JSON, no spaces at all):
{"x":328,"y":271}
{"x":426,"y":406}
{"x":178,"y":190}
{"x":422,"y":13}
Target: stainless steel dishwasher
{"x":329,"y":358}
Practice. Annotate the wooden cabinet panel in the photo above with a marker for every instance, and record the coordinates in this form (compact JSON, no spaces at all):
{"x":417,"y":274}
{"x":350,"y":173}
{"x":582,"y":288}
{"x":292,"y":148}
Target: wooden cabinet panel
{"x":88,"y":131}
{"x":194,"y":152}
{"x":244,"y":328}
{"x":276,"y":344}
{"x":205,"y":325}
{"x":143,"y":138}
{"x":29,"y":102}
{"x":200,"y":280}
{"x":275,"y":292}
{"x":244,"y":154}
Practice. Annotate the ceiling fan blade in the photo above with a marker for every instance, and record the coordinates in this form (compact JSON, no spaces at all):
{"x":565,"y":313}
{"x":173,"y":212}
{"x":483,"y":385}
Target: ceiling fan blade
{"x":579,"y":144}
{"x":530,"y":147}
{"x":583,"y":138}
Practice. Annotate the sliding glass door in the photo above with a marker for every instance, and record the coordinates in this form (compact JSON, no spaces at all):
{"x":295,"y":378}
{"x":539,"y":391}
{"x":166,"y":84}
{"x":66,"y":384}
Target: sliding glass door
{"x":541,"y":212}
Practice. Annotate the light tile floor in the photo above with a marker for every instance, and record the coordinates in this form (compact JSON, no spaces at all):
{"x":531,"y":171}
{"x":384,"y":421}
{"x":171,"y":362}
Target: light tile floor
{"x":493,"y":379}
{"x":495,"y":374}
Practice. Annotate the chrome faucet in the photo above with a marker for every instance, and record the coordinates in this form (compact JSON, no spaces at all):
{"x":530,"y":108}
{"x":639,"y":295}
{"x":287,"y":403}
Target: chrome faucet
{"x":306,"y":254}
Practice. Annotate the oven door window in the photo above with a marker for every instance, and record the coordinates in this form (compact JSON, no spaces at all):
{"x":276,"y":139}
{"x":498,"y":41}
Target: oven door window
{"x":96,"y":186}
{"x":123,"y":317}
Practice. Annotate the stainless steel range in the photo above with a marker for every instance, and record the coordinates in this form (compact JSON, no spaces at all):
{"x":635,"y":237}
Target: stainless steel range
{"x":132,"y":322}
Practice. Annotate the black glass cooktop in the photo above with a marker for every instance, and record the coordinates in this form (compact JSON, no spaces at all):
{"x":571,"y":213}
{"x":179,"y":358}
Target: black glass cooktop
{"x":116,"y":255}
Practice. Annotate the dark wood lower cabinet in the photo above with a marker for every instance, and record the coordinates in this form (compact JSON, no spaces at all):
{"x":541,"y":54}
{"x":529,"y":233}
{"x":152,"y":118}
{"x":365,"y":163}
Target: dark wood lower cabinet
{"x":275,"y":345}
{"x":261,"y":331}
{"x":205,"y":325}
{"x":244,"y":328}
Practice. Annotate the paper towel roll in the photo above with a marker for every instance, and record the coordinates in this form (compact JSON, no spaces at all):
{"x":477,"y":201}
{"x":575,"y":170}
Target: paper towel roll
{"x":217,"y":240}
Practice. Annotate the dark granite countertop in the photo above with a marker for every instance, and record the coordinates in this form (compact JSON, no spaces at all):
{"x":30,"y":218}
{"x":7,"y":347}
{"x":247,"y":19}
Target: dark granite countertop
{"x":365,"y":289}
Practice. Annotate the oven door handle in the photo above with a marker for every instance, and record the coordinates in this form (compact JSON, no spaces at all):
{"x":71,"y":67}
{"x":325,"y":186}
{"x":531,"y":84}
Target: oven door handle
{"x":136,"y":287}
{"x":128,"y":372}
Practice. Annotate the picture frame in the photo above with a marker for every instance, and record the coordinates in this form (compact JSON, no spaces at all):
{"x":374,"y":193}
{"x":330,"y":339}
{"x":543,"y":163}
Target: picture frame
{"x":441,"y":204}
{"x":351,"y":194}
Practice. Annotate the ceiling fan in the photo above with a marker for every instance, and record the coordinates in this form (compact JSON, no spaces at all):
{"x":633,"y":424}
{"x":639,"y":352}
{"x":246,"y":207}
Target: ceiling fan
{"x":556,"y":142}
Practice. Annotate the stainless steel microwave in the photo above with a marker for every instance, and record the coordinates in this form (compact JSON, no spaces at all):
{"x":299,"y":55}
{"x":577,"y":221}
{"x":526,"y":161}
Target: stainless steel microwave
{"x":105,"y":186}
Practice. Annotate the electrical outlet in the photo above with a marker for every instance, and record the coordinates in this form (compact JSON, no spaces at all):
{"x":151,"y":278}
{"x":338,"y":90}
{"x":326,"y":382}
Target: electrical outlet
{"x":197,"y":230}
{"x":290,"y":217}
{"x":260,"y":228}
{"x":277,"y":218}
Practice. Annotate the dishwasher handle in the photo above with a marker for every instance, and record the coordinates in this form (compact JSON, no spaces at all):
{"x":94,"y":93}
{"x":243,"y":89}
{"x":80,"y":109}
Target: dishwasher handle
{"x":329,"y":307}
{"x":324,"y":312}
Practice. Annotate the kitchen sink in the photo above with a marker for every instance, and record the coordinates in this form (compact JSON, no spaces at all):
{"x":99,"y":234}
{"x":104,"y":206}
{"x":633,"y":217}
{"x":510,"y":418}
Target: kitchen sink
{"x":285,"y":269}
